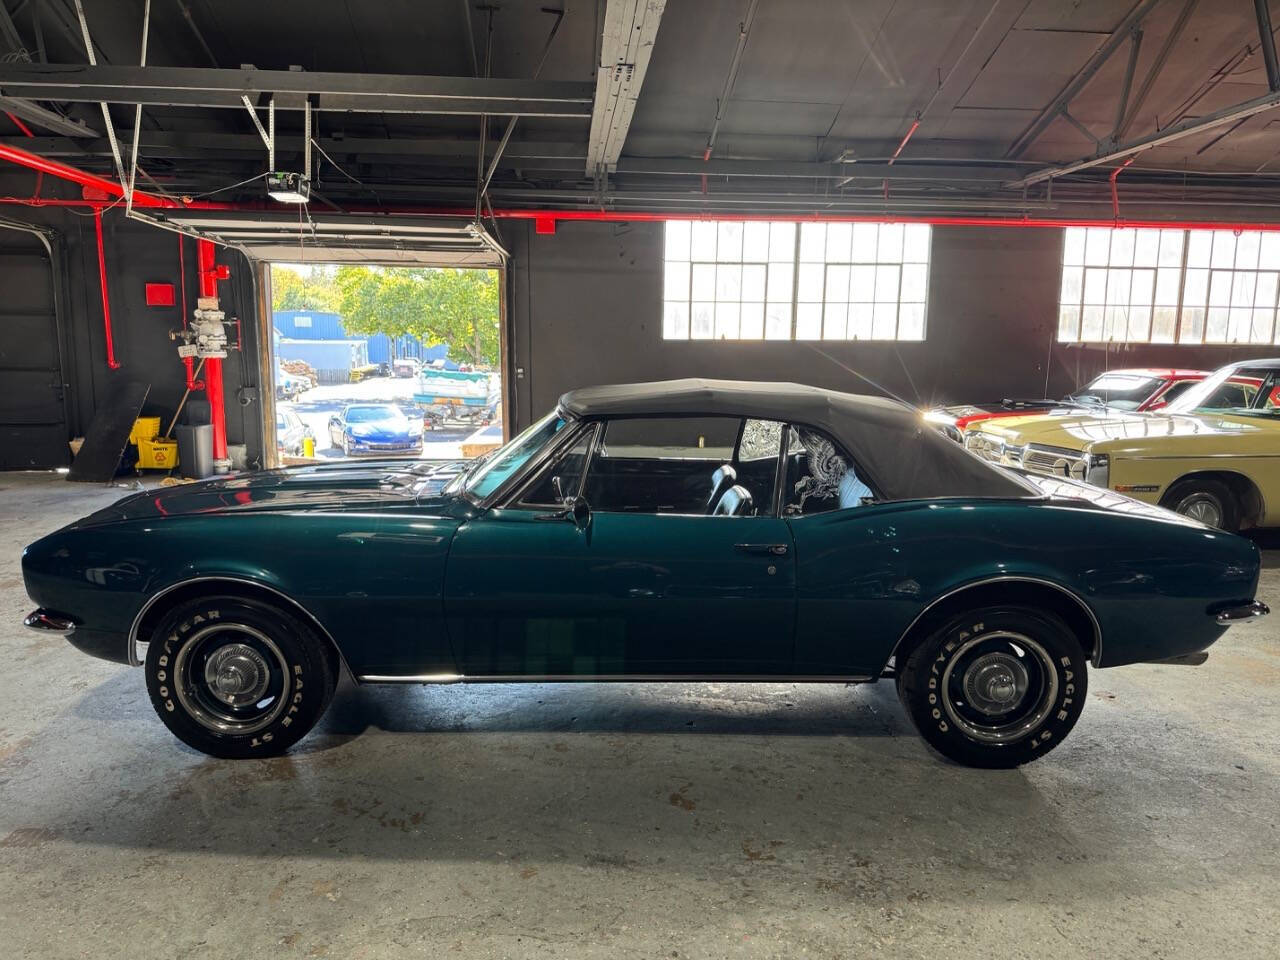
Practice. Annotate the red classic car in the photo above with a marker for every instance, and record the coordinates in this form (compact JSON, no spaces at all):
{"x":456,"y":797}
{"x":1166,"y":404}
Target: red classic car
{"x":1136,"y":389}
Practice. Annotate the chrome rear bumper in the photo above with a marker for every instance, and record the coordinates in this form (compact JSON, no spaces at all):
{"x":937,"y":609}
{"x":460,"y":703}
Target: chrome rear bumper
{"x":46,"y":621}
{"x":1240,"y":612}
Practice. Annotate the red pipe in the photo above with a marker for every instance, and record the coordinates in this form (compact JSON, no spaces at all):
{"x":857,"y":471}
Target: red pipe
{"x":17,"y":122}
{"x":106,"y":302}
{"x":209,"y":274}
{"x":1115,"y":194}
{"x":92,"y":181}
{"x":915,"y":125}
{"x":35,"y":162}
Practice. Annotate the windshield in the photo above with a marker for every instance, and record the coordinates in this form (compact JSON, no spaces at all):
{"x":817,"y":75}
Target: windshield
{"x":506,"y":460}
{"x":1228,"y":388}
{"x":369,"y":414}
{"x":1124,"y":391}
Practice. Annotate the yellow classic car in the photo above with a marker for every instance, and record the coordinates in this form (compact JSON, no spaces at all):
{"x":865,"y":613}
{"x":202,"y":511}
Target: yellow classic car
{"x":1212,"y":455}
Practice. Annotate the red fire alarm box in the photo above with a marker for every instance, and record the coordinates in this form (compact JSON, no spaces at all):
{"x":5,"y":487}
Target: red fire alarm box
{"x":160,"y":295}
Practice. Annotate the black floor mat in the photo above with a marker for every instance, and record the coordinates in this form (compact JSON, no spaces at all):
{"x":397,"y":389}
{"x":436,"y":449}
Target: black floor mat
{"x":104,"y":442}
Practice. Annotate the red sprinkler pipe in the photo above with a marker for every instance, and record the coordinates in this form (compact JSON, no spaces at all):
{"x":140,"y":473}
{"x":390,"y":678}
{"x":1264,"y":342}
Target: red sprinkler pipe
{"x":91,"y":181}
{"x":17,"y":122}
{"x":1115,"y":193}
{"x":210,"y":273}
{"x":106,"y":300}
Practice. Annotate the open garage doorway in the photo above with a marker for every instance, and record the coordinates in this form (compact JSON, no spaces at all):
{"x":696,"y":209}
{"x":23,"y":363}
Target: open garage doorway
{"x":372,"y":360}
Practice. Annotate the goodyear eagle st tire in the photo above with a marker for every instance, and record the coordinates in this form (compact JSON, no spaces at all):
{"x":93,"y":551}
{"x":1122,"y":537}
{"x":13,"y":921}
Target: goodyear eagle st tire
{"x":237,"y":678}
{"x":995,"y":687}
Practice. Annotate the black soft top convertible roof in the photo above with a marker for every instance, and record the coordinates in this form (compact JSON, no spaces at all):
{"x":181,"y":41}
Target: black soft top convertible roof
{"x":903,"y":457}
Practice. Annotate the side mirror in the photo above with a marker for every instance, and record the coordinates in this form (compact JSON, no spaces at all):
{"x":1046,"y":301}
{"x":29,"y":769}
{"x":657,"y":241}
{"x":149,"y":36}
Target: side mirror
{"x":580,"y":512}
{"x":575,"y":509}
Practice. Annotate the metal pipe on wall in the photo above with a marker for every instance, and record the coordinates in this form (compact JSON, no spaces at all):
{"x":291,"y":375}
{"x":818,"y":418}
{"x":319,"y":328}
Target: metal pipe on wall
{"x":106,"y":299}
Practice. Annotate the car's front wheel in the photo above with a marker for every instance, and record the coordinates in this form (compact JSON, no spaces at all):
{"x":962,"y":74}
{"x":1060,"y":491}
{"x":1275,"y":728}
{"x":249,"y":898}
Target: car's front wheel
{"x":995,"y":687}
{"x":1204,"y":499}
{"x":234,"y":677}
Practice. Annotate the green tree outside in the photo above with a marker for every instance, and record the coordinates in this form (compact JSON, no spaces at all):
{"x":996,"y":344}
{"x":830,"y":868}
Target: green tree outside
{"x":454,"y":307}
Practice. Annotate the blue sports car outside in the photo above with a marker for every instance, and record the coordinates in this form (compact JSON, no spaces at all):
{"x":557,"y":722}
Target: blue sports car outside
{"x":374,"y":429}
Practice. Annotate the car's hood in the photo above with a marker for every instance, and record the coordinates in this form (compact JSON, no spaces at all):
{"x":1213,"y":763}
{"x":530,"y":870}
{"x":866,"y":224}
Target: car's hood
{"x":381,"y":430}
{"x":958,"y":411}
{"x":346,"y":485}
{"x":1075,"y":431}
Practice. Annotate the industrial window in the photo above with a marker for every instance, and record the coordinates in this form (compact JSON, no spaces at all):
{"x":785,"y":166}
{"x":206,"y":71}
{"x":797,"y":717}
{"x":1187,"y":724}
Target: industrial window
{"x":1169,"y":286}
{"x":780,"y":280}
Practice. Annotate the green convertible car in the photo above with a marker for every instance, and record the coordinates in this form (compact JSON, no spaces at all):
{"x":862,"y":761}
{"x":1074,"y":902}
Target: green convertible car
{"x":691,"y":529}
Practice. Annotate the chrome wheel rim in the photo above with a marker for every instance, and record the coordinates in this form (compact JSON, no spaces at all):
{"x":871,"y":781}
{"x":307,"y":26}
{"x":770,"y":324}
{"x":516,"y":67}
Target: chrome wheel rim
{"x":998,"y":687}
{"x":232,"y":678}
{"x":1203,"y":507}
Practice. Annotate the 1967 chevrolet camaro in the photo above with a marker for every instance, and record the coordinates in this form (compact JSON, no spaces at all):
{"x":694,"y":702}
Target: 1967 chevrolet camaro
{"x":691,"y":529}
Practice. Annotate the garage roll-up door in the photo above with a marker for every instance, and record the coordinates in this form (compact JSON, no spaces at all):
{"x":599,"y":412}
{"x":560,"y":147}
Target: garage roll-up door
{"x":33,"y":419}
{"x":294,"y":236}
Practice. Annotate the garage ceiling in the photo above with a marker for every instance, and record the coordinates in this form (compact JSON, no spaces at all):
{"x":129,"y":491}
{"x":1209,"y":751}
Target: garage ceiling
{"x":826,"y":92}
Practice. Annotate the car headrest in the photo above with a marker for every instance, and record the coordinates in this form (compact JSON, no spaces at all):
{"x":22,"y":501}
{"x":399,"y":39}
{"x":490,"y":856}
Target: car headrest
{"x":736,"y":502}
{"x":724,"y":478}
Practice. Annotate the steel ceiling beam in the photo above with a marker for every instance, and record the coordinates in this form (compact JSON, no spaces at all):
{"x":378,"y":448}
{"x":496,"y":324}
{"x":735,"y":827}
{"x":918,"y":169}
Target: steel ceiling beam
{"x":630,"y":28}
{"x":1167,"y":135}
{"x":25,"y":109}
{"x":1267,"y":40}
{"x":356,"y":92}
{"x":34,"y":113}
{"x":731,"y":79}
{"x":1157,"y":67}
{"x":1078,"y":82}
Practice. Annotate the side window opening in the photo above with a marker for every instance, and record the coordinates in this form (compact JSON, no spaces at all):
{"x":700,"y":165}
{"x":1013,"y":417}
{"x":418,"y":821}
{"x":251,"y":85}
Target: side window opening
{"x":560,"y":480}
{"x":820,"y":476}
{"x":709,"y":466}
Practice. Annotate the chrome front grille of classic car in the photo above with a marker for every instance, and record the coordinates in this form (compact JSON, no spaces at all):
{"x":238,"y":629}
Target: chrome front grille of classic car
{"x":987,"y":447}
{"x":1054,"y":461}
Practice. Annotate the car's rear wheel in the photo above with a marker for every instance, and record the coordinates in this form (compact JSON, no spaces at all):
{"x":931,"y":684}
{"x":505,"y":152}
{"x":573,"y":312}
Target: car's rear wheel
{"x":995,"y":687}
{"x":234,"y":677}
{"x":1209,"y":501}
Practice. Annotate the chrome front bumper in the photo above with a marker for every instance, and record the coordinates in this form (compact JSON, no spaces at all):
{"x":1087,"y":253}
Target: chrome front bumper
{"x":1240,"y":612}
{"x":46,"y":621}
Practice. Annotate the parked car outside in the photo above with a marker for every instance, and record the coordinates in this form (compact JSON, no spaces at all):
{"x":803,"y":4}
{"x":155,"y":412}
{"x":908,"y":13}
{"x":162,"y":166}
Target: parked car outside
{"x":377,"y":429}
{"x":291,"y":431}
{"x":289,"y":386}
{"x":1213,"y":454}
{"x":691,"y":529}
{"x":1135,"y":389}
{"x":406,"y":367}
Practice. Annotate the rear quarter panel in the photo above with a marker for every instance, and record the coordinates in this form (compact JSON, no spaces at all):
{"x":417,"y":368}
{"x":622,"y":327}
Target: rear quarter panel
{"x":864,"y":575}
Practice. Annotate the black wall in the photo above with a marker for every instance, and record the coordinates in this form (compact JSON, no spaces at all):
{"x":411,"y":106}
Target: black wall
{"x":137,"y":254}
{"x":585,"y":308}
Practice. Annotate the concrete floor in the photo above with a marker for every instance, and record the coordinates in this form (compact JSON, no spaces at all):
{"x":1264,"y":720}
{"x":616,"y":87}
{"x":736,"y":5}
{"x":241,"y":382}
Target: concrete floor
{"x":720,"y":820}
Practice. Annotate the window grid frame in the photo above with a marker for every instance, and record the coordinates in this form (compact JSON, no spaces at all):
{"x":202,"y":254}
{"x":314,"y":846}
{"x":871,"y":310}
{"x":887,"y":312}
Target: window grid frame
{"x":795,"y":265}
{"x":1233,"y":271}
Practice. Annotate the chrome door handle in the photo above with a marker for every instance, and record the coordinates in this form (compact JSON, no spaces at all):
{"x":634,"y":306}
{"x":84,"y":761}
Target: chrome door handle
{"x":772,"y":549}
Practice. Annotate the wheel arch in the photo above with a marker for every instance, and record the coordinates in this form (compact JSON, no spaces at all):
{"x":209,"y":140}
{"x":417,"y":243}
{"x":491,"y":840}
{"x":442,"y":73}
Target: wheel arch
{"x":162,"y":601}
{"x":1022,"y":591}
{"x":1247,"y":493}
